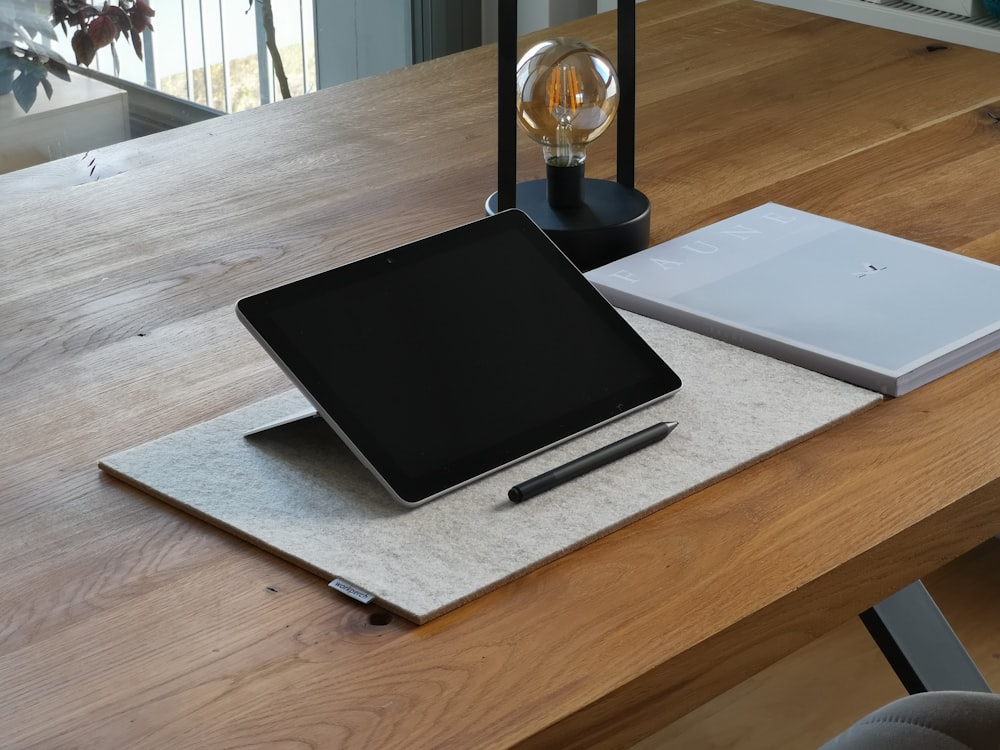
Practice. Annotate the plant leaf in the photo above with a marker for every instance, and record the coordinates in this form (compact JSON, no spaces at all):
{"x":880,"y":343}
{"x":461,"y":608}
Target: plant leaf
{"x":25,"y":91}
{"x":6,"y":81}
{"x":58,"y":69}
{"x":38,"y":27}
{"x":136,"y":42}
{"x":84,"y":47}
{"x":102,"y":31}
{"x":28,"y":40}
{"x":34,"y":68}
{"x":8,"y":60}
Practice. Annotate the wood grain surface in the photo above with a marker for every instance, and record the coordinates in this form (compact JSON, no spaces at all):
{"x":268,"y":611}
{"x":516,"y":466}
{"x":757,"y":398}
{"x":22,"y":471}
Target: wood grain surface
{"x":125,"y":623}
{"x":818,"y":691}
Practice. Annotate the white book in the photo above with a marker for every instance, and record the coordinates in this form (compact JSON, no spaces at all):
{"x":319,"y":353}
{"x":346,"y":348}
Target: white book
{"x":869,"y":308}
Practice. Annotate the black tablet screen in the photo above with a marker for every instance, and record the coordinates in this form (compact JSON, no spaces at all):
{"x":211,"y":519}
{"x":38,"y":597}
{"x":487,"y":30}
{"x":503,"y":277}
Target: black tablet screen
{"x":448,"y":358}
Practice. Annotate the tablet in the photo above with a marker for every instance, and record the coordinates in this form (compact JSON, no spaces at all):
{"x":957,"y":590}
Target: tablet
{"x":452,"y":357}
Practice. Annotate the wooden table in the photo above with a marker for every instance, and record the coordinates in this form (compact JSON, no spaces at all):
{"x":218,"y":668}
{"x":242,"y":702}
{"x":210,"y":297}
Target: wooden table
{"x":126,"y":623}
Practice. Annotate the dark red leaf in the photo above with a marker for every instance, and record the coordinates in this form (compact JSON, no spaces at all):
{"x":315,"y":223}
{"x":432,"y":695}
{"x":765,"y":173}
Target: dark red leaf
{"x":84,"y":47}
{"x":102,"y":31}
{"x":136,"y":42}
{"x":139,"y":14}
{"x":119,"y":16}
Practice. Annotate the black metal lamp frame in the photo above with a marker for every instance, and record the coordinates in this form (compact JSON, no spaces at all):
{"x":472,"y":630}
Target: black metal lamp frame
{"x":611,"y":219}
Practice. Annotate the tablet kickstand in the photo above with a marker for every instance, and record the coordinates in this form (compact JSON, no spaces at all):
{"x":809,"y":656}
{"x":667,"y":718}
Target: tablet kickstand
{"x":306,"y":413}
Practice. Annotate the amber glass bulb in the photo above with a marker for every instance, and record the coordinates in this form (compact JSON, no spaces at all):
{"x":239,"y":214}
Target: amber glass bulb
{"x":567,"y":95}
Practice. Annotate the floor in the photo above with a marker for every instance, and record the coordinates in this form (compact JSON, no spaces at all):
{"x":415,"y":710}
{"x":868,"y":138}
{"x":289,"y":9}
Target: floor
{"x":810,"y":696}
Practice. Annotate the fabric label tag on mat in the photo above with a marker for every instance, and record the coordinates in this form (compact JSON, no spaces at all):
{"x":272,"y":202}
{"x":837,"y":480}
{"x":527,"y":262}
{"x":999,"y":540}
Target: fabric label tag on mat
{"x":352,"y":591}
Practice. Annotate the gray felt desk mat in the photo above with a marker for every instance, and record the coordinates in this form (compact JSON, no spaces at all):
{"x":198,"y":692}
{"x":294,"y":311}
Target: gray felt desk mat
{"x":298,"y":492}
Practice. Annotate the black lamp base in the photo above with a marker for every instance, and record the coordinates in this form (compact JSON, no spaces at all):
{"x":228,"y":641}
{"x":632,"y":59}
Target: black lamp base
{"x":612,"y":222}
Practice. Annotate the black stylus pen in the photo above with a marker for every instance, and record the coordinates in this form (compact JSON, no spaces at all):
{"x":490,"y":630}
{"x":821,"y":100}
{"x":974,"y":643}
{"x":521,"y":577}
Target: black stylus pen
{"x":589,"y":462}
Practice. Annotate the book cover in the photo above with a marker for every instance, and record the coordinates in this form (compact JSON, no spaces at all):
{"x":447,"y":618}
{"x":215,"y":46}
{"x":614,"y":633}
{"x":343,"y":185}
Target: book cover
{"x":869,"y":308}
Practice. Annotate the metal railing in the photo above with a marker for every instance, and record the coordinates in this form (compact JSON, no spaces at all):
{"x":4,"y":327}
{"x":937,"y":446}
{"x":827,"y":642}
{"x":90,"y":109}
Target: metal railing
{"x":214,"y":52}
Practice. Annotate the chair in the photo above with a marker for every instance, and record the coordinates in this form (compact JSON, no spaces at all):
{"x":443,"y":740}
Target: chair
{"x":944,"y":720}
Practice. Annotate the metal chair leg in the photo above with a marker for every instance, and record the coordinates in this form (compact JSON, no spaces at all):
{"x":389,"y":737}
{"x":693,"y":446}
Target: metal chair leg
{"x":920,"y":645}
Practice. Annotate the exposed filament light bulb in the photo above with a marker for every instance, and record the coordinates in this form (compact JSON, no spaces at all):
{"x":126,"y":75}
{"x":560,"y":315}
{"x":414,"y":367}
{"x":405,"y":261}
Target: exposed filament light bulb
{"x":567,"y":95}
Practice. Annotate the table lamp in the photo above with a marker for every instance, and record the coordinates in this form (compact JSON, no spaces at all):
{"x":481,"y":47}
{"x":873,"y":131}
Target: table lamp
{"x":564,"y":93}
